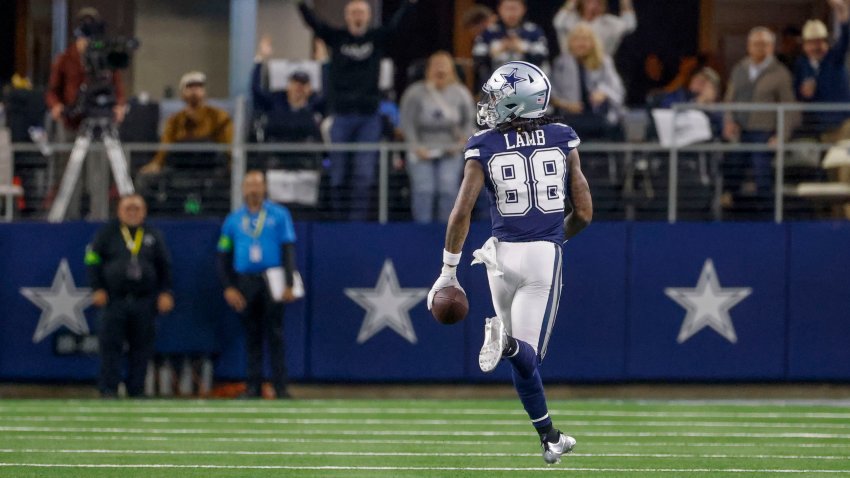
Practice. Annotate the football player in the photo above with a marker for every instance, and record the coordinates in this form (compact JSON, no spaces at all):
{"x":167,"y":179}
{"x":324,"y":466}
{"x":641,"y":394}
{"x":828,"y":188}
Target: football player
{"x":531,"y":167}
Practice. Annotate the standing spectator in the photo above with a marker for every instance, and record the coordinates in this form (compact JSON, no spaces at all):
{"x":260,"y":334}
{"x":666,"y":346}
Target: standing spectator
{"x":68,"y":76}
{"x":287,"y":116}
{"x":586,"y":87}
{"x":130,"y":273}
{"x":436,"y":112}
{"x":509,"y":39}
{"x":353,"y":98}
{"x":198,"y":122}
{"x":758,"y":78}
{"x":254,"y":239}
{"x":820,"y":76}
{"x":609,"y":28}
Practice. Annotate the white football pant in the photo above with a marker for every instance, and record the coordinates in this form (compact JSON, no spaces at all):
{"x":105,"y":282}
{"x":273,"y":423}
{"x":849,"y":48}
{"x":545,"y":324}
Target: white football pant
{"x":526,"y":296}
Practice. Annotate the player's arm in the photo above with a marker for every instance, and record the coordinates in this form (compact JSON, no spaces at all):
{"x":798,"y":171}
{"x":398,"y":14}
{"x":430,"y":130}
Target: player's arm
{"x":470,"y":188}
{"x":579,"y":194}
{"x":458,"y":227}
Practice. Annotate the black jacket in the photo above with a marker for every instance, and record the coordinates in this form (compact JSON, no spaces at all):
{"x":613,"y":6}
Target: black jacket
{"x":107,"y":258}
{"x":355,"y":62}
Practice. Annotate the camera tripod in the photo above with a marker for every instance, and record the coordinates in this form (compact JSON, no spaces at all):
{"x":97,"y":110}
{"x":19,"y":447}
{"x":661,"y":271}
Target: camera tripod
{"x":92,"y":129}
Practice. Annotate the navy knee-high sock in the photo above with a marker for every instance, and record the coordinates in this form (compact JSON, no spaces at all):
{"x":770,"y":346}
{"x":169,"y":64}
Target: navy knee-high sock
{"x":529,"y":387}
{"x":522,"y":356}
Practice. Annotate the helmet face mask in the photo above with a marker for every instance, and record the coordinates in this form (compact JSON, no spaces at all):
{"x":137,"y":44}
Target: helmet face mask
{"x":515,"y":90}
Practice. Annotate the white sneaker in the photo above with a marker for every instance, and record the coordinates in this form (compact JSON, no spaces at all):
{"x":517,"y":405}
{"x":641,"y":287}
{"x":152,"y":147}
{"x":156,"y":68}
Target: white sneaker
{"x":552,"y":451}
{"x":495,"y":339}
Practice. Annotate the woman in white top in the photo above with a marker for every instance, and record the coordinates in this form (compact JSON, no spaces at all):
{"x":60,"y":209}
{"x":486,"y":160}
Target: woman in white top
{"x":609,"y":28}
{"x":437,"y":117}
{"x":586,"y":88}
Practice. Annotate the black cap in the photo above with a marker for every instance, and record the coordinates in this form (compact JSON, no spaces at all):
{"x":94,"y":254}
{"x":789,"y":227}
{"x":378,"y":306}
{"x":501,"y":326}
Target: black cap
{"x":300,"y":77}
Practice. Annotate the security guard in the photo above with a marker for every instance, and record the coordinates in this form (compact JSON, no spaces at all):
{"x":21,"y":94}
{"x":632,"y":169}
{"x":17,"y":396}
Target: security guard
{"x":130,"y":272}
{"x":255,"y":238}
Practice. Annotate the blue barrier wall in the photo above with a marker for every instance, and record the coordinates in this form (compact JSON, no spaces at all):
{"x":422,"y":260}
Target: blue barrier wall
{"x":641,"y":302}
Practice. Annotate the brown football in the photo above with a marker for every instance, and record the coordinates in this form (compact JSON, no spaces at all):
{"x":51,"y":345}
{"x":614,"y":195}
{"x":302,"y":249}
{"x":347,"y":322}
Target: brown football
{"x":450,"y":305}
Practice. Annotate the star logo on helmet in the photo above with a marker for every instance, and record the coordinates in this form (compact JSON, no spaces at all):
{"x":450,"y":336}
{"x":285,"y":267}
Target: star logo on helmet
{"x":512,"y":79}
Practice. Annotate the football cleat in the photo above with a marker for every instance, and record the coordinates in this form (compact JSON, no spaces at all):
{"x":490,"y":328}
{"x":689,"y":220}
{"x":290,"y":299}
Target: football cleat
{"x":495,"y":339}
{"x":552,"y":451}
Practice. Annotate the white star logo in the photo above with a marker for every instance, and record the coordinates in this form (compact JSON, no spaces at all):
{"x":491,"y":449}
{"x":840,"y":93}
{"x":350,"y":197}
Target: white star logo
{"x":387,"y":305}
{"x":61,"y":304}
{"x":708,"y":305}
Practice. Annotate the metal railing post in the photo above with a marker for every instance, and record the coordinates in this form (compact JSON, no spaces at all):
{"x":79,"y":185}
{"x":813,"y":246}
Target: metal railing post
{"x":383,"y":184}
{"x":673,"y":186}
{"x":779,"y":182}
{"x":237,"y":158}
{"x":128,"y":150}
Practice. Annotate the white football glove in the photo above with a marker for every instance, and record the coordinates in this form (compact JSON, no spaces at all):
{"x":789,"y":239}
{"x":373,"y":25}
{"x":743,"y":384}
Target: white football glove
{"x":447,"y":279}
{"x":448,"y":276}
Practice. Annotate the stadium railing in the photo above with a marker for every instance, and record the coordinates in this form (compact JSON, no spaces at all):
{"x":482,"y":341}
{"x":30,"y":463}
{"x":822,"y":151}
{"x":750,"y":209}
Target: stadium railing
{"x":690,"y":175}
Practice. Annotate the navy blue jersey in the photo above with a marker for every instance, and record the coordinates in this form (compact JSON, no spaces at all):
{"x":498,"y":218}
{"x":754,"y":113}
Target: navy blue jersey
{"x":526,"y":177}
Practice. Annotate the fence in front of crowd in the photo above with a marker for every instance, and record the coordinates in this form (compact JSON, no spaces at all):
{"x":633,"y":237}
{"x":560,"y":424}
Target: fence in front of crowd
{"x":671,"y":165}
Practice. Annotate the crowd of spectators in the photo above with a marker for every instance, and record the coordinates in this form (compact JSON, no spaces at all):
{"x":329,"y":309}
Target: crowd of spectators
{"x":346,"y":105}
{"x":586,"y":88}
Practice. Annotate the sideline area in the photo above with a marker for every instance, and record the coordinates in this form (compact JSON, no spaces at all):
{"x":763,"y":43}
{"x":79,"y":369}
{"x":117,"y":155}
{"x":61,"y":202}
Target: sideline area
{"x":643,"y":391}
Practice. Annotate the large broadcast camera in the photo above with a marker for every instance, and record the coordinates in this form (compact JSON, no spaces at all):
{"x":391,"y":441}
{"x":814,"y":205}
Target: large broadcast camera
{"x":101,"y":59}
{"x":93,"y":109}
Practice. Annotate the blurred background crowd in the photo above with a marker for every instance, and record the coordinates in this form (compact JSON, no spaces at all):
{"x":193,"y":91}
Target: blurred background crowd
{"x":407,"y":73}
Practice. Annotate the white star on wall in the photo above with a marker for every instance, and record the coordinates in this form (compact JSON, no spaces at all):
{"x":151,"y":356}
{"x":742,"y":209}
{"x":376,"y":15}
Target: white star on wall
{"x":708,"y":305}
{"x":61,"y":304}
{"x":387,"y":305}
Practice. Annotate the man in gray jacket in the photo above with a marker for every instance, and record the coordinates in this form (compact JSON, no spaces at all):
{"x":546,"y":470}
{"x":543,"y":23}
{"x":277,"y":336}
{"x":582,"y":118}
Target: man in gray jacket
{"x":758,"y":78}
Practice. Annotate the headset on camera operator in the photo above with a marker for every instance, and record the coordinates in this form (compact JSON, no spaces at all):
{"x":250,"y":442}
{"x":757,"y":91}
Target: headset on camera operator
{"x":69,"y":74}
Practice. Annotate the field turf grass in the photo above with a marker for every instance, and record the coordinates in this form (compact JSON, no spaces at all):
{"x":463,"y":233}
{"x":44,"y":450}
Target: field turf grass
{"x":419,"y":438}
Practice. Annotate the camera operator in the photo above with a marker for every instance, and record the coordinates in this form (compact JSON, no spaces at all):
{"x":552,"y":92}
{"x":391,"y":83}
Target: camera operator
{"x":68,"y":79}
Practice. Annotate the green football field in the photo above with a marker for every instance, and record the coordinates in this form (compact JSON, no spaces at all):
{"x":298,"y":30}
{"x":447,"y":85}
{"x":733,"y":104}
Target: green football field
{"x":419,"y":438}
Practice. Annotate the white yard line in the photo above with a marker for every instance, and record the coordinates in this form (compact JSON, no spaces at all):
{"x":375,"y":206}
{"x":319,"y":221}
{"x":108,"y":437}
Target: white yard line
{"x":563,"y":469}
{"x":410,"y":411}
{"x":367,"y":441}
{"x":476,"y":443}
{"x":477,"y":433}
{"x":409,"y":454}
{"x":419,"y":421}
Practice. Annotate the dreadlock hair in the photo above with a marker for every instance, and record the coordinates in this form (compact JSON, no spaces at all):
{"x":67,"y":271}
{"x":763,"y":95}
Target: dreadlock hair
{"x":527,"y":124}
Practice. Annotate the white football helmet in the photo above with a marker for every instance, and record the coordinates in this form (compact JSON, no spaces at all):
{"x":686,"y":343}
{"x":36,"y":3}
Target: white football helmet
{"x":515,"y":90}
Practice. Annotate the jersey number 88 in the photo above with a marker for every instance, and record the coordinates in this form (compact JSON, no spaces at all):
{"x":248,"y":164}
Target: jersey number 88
{"x":514,"y":181}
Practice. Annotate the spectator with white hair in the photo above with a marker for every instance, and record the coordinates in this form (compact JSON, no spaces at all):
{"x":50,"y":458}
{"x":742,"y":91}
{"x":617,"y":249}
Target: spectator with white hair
{"x":758,"y":78}
{"x":586,"y":88}
{"x":608,"y":27}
